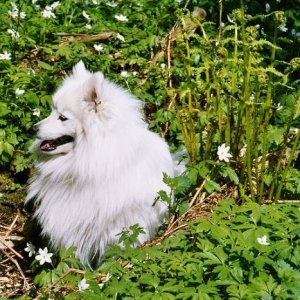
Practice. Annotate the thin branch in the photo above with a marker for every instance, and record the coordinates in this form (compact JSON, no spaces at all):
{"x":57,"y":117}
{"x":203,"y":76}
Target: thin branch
{"x":26,"y":285}
{"x":54,"y":283}
{"x":12,"y":225}
{"x":83,"y":38}
{"x":6,"y":245}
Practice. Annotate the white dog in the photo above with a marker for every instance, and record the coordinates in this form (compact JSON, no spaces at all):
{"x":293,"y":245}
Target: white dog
{"x":99,"y":168}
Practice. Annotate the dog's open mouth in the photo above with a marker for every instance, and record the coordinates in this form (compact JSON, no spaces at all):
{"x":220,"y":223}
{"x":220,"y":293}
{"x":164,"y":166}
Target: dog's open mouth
{"x":50,"y":145}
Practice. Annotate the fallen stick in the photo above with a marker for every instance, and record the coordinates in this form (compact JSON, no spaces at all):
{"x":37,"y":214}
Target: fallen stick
{"x":12,"y":224}
{"x":84,"y":38}
{"x":6,"y":245}
{"x":26,"y":285}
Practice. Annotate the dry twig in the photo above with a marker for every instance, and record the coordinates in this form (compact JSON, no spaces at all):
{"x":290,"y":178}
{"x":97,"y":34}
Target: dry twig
{"x":26,"y":285}
{"x":7,"y":246}
{"x":83,"y":38}
{"x":54,"y":283}
{"x":12,"y":225}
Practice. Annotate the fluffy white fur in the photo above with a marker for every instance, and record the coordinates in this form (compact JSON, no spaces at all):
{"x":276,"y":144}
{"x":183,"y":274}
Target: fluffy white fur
{"x":107,"y":179}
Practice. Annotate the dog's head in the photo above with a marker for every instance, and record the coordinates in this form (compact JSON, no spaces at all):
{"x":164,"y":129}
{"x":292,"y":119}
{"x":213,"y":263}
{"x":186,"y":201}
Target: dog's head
{"x":79,"y":94}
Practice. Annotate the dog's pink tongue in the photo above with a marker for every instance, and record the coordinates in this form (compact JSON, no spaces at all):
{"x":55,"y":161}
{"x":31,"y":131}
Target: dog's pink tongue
{"x":45,"y":146}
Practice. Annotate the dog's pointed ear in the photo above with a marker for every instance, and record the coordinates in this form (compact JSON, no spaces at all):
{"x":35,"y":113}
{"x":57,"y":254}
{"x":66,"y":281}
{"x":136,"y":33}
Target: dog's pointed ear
{"x":79,"y":69}
{"x":95,"y":91}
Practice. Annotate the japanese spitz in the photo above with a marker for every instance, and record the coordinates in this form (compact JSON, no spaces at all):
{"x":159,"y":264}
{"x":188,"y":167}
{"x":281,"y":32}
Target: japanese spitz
{"x":99,"y":169}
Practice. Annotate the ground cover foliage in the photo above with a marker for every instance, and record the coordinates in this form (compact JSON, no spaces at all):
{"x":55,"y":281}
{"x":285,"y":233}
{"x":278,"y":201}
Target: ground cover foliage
{"x":220,"y":79}
{"x":240,"y":252}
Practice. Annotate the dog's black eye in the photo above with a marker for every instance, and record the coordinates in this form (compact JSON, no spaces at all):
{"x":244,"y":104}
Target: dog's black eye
{"x":62,"y":118}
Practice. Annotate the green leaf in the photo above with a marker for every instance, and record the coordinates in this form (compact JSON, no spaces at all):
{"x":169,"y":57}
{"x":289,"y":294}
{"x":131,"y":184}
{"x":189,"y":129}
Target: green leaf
{"x":275,"y":134}
{"x":45,"y":66}
{"x":149,"y":279}
{"x":9,"y":148}
{"x":230,"y":173}
{"x":212,"y":186}
{"x":3,"y":109}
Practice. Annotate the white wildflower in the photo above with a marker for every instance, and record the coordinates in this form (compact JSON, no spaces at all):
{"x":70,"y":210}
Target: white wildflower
{"x":55,"y":4}
{"x":268,"y":7}
{"x":107,"y":277}
{"x":99,"y":48}
{"x":279,"y":107}
{"x":5,"y":56}
{"x":44,"y":256}
{"x":111,"y":3}
{"x":88,"y":26}
{"x":14,"y":5}
{"x":82,"y":285}
{"x":294,"y":130}
{"x":19,"y":92}
{"x":48,"y":13}
{"x":14,"y":14}
{"x":124,"y":74}
{"x":222,"y":24}
{"x":135,"y":73}
{"x":30,"y":249}
{"x":14,"y":34}
{"x":163,"y":65}
{"x":121,"y":18}
{"x":257,"y":26}
{"x":84,"y":13}
{"x":263,"y":241}
{"x":223,"y":153}
{"x":283,"y":28}
{"x":120,"y":37}
{"x":36,"y":112}
{"x":243,"y":151}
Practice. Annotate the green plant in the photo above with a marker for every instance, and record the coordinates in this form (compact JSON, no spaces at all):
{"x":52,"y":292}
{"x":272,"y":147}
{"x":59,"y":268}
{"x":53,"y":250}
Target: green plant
{"x":206,"y":81}
{"x":240,"y":252}
{"x":225,"y":88}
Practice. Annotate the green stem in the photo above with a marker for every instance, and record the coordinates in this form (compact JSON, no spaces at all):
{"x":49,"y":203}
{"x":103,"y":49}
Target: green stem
{"x":268,"y":115}
{"x":233,"y":89}
{"x":279,"y":163}
{"x":219,"y":106}
{"x":286,"y":170}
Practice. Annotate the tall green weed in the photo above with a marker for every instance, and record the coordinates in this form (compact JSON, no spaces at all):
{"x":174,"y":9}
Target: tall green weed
{"x":226,"y":87}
